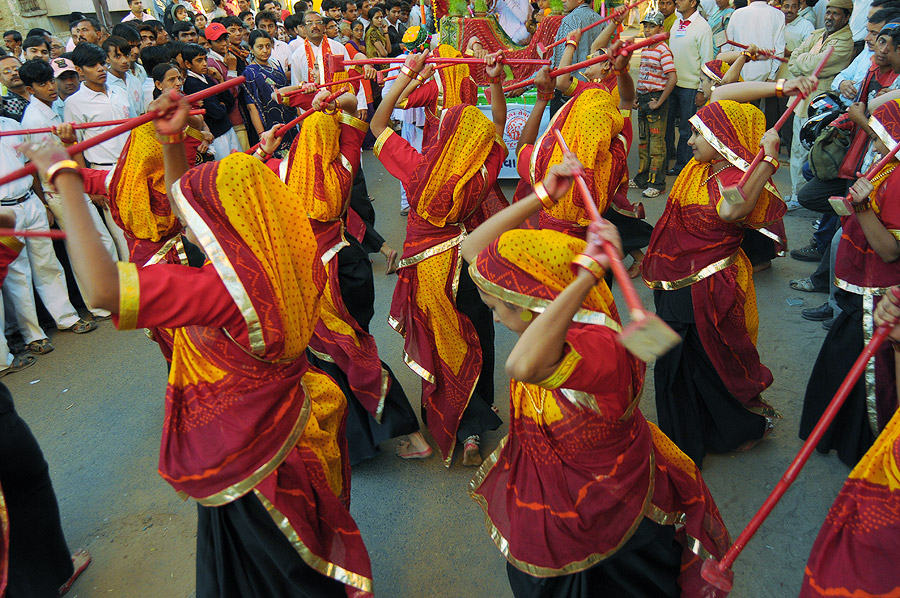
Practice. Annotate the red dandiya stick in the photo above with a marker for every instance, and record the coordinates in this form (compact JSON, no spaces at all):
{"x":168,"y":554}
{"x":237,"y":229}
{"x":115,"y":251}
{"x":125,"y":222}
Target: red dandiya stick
{"x":719,"y":573}
{"x":766,"y":53}
{"x":49,"y":233}
{"x":623,"y":51}
{"x":391,"y":78}
{"x":646,"y":336}
{"x":79,"y":126}
{"x":282,"y":131}
{"x":735,"y":195}
{"x":842,"y":205}
{"x":128,"y":125}
{"x":324,"y":85}
{"x":338,"y":64}
{"x":542,"y":50}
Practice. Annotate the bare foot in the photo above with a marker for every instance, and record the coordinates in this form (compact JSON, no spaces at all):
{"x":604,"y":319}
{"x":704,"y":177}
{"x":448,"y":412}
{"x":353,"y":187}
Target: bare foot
{"x":392,"y":258}
{"x":415,"y":447}
{"x":471,"y":452}
{"x":80,"y":560}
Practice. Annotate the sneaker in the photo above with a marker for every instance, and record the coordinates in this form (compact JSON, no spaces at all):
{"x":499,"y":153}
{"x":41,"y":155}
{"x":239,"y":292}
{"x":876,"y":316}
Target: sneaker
{"x":792,"y":203}
{"x":807,"y":254}
{"x":816,"y":223}
{"x":651,"y":192}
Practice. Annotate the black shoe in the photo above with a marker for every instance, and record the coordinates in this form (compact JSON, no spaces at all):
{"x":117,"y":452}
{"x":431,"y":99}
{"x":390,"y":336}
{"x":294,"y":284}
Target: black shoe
{"x":817,"y":314}
{"x":807,"y":254}
{"x":673,"y":171}
{"x":827,"y":324}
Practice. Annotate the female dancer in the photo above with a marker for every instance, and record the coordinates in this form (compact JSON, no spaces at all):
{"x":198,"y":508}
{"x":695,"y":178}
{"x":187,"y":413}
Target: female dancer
{"x":449,"y":336}
{"x":583,"y":494}
{"x":865,"y":267}
{"x":263,"y":78}
{"x":251,"y":432}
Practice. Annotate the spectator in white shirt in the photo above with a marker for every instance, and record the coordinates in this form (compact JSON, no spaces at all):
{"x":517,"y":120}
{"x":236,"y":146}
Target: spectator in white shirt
{"x":691,"y":43}
{"x":293,"y":24}
{"x":36,"y":46}
{"x":763,"y":26}
{"x":796,"y":28}
{"x":847,"y":82}
{"x":281,"y":52}
{"x":96,"y":101}
{"x":38,"y":77}
{"x":118,"y":53}
{"x":859,"y":19}
{"x":137,"y":12}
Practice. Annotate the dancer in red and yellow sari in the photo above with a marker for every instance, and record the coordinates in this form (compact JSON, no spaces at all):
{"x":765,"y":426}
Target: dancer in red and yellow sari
{"x":320,"y":170}
{"x":583,"y":494}
{"x":251,"y":432}
{"x":865,"y":267}
{"x":708,"y":389}
{"x":855,"y":553}
{"x":448,"y":332}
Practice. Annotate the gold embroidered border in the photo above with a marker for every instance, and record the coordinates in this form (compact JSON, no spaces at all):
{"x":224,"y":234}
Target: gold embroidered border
{"x":330,"y":253}
{"x":385,"y":382}
{"x":580,"y":398}
{"x":379,"y":143}
{"x":431,"y":252}
{"x":402,"y":103}
{"x":570,"y":90}
{"x":418,"y":369}
{"x":320,"y":355}
{"x":346,"y":119}
{"x":857,"y":290}
{"x":536,"y":570}
{"x":324,"y":567}
{"x":882,"y":133}
{"x":708,"y":72}
{"x":582,"y":316}
{"x":563,"y":370}
{"x":623,"y":211}
{"x":214,"y":252}
{"x":894,"y":232}
{"x":235,"y":491}
{"x":868,"y":322}
{"x":395,"y":324}
{"x":192,"y":132}
{"x":159,"y":255}
{"x":13,"y":243}
{"x":726,"y":152}
{"x":706,"y":272}
{"x":129,"y":295}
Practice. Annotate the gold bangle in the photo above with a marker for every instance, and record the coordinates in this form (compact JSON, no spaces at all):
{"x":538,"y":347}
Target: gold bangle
{"x":62,"y":166}
{"x":420,"y":78}
{"x":861,"y":207}
{"x":261,"y":154}
{"x":588,"y":263}
{"x":572,"y":42}
{"x":496,"y":79}
{"x":543,"y":196}
{"x":170,"y":139}
{"x":779,"y":88}
{"x":408,"y":72}
{"x":775,"y":164}
{"x":545,"y":96}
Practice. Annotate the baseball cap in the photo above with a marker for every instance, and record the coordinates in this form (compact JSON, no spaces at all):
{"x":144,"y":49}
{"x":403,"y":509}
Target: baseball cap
{"x":654,"y":17}
{"x":214,"y":31}
{"x":61,"y":65}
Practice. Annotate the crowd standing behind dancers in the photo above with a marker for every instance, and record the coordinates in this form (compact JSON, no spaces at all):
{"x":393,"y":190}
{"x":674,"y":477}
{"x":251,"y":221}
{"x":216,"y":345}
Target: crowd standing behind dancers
{"x":458,"y":264}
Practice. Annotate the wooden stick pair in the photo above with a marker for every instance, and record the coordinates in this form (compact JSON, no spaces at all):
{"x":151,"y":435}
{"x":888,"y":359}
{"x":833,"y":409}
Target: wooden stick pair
{"x":766,"y":53}
{"x":282,"y":130}
{"x":542,"y":49}
{"x":79,"y":126}
{"x":338,"y":63}
{"x":128,"y":125}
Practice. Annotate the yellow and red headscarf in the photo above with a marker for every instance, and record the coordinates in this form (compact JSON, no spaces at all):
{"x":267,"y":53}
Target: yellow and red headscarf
{"x":715,"y":70}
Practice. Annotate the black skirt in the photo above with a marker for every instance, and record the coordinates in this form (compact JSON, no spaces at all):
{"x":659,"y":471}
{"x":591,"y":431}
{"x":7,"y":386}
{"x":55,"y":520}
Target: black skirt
{"x":693,"y":405}
{"x":241,"y":553}
{"x":647,"y":566}
{"x":849,"y":434}
{"x":359,"y":201}
{"x":357,"y":282}
{"x":635,"y":232}
{"x":364,"y":434}
{"x":39,"y":559}
{"x":758,"y":247}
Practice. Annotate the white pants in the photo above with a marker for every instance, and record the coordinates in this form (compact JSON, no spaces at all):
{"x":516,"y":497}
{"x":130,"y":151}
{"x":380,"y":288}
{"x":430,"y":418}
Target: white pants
{"x":799,"y":154}
{"x":225,"y":143}
{"x":414,"y":136}
{"x":54,"y":201}
{"x":37,"y":264}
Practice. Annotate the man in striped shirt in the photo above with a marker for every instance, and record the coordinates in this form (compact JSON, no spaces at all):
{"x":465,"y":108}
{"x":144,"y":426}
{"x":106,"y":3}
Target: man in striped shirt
{"x":656,"y":80}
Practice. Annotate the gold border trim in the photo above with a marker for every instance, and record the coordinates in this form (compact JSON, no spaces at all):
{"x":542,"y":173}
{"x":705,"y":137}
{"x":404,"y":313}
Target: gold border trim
{"x":409,"y":361}
{"x":214,"y":252}
{"x":717,"y":80}
{"x":706,"y":272}
{"x":13,"y":243}
{"x":129,"y":295}
{"x":235,"y":491}
{"x":333,"y":251}
{"x":882,"y":133}
{"x":536,"y":570}
{"x":348,"y":119}
{"x":380,"y":141}
{"x":582,"y":316}
{"x":320,"y":355}
{"x":321,"y":565}
{"x":857,"y":290}
{"x":159,"y":255}
{"x":868,"y":324}
{"x":431,"y":251}
{"x":563,"y":371}
{"x":192,"y":132}
{"x":894,"y":232}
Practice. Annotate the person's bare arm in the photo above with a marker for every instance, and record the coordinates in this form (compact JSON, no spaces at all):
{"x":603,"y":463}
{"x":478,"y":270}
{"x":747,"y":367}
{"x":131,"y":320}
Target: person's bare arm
{"x":545,"y":84}
{"x":671,"y":81}
{"x":563,"y":82}
{"x":749,"y":91}
{"x":602,"y":40}
{"x":494,"y":70}
{"x":755,"y":183}
{"x":382,"y":117}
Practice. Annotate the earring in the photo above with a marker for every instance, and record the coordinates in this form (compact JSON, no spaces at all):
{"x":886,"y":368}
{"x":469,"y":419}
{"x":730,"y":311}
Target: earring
{"x":526,"y":315}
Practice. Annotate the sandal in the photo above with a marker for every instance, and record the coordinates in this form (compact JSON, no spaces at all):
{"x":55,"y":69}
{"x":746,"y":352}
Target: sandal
{"x":404,"y":453}
{"x":19,"y":363}
{"x":41,"y":346}
{"x":471,"y":451}
{"x":80,"y":561}
{"x":82,"y":326}
{"x":770,"y":427}
{"x":805,"y":284}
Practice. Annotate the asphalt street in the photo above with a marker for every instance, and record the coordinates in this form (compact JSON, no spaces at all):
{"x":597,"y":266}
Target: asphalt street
{"x":96,"y":406}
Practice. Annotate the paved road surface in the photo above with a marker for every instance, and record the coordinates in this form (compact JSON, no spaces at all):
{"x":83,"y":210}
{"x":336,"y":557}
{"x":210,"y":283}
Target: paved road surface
{"x":96,"y":406}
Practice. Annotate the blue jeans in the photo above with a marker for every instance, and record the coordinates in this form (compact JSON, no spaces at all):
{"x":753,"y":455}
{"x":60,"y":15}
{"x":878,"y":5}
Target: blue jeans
{"x":681,"y":105}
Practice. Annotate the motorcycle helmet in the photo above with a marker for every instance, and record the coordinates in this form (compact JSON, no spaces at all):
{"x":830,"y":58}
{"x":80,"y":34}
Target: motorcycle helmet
{"x":823,"y":109}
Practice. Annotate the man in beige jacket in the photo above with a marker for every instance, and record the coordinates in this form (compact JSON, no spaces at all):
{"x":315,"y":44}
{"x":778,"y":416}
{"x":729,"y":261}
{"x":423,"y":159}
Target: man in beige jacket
{"x":804,"y":60}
